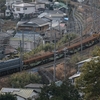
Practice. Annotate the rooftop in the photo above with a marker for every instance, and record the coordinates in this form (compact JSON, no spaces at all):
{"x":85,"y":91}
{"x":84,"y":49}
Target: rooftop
{"x":25,"y":93}
{"x":24,"y":5}
{"x":52,"y":13}
{"x":75,"y":75}
{"x":87,"y":60}
{"x":34,"y":22}
{"x":34,"y":86}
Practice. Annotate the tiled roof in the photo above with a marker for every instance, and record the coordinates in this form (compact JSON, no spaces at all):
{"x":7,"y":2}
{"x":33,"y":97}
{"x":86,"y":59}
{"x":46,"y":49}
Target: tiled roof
{"x":24,"y":93}
{"x":33,"y":22}
{"x":34,"y":85}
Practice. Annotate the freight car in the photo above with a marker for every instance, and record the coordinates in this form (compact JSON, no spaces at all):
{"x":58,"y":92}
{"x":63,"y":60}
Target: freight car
{"x":60,"y":53}
{"x":10,"y":66}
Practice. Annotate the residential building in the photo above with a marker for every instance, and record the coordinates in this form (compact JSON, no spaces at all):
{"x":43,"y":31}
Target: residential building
{"x":28,"y":41}
{"x":19,"y":10}
{"x":51,"y":34}
{"x":33,"y":25}
{"x":54,"y":15}
{"x":21,"y":94}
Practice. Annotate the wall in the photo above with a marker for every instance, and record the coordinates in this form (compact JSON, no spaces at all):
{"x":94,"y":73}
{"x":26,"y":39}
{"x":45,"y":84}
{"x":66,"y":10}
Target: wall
{"x":28,"y":45}
{"x":28,"y":11}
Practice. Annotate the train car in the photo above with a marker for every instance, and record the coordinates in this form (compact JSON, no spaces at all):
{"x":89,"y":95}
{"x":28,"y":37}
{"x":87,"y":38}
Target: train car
{"x":71,"y":50}
{"x":10,"y":66}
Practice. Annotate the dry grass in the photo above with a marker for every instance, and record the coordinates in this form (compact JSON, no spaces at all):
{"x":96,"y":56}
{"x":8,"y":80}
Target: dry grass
{"x":8,"y":25}
{"x":4,"y":82}
{"x":60,"y":71}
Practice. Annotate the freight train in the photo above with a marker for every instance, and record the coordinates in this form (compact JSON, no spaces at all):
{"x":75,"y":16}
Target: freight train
{"x":14,"y":65}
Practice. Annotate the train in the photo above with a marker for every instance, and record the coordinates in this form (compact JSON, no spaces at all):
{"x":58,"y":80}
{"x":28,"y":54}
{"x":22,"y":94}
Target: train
{"x":10,"y":66}
{"x":15,"y":65}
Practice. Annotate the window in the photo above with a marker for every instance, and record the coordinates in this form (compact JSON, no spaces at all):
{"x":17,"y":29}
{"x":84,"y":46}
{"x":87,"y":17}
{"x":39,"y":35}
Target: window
{"x":24,"y":8}
{"x":17,"y":9}
{"x":7,"y":12}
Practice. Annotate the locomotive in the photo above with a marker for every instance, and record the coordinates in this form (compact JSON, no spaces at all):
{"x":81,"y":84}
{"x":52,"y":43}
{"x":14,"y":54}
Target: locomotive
{"x":10,"y":66}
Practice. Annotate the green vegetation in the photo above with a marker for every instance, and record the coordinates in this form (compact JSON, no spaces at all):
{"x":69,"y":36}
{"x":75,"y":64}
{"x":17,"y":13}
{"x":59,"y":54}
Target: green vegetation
{"x":66,"y":91}
{"x":89,"y":81}
{"x":96,"y":51}
{"x":66,"y":38}
{"x":7,"y":96}
{"x":19,"y":80}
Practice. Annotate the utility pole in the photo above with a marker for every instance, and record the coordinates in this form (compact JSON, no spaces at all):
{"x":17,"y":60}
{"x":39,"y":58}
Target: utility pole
{"x":34,"y":37}
{"x":65,"y":52}
{"x":81,"y":28}
{"x":22,"y":44}
{"x":70,"y":24}
{"x":21,"y":57}
{"x":54,"y":76}
{"x":93,"y":4}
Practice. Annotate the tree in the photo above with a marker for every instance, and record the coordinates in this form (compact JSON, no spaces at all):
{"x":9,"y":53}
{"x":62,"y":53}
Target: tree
{"x":64,"y":92}
{"x":7,"y":96}
{"x":89,"y":81}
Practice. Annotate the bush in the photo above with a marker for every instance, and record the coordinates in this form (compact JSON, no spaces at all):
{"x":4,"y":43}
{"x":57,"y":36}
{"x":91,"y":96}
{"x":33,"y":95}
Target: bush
{"x":19,"y":80}
{"x":7,"y":96}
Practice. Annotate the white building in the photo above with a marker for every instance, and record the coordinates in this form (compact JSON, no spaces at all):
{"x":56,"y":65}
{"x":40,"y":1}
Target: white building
{"x":22,"y":9}
{"x":31,"y":41}
{"x":9,"y":5}
{"x":21,"y":94}
{"x":18,"y":7}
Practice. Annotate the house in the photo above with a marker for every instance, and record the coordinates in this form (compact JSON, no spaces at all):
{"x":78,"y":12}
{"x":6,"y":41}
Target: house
{"x":21,"y":94}
{"x":19,"y":10}
{"x":36,"y":24}
{"x":27,"y":41}
{"x":54,"y":15}
{"x":50,"y":36}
